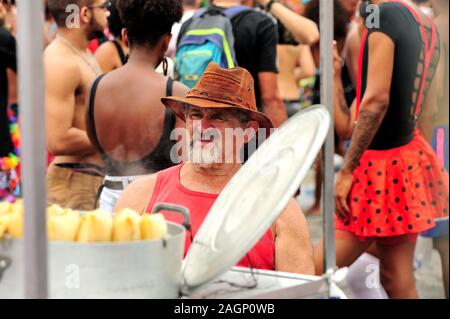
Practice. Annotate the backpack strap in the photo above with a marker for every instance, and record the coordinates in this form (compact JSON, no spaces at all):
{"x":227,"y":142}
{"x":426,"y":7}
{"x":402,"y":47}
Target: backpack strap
{"x":234,"y":11}
{"x":200,"y":12}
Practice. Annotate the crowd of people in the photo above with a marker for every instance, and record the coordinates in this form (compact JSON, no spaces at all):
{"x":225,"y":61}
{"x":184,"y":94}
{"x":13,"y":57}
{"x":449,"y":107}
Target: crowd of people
{"x":122,"y":76}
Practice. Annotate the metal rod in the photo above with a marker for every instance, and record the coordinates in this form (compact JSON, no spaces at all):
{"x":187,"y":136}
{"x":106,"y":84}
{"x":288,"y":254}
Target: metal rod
{"x":326,"y":92}
{"x":31,"y":101}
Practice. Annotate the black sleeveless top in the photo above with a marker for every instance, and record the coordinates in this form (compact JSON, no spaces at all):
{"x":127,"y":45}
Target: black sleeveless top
{"x":398,"y":23}
{"x":123,"y":57}
{"x":156,"y":161}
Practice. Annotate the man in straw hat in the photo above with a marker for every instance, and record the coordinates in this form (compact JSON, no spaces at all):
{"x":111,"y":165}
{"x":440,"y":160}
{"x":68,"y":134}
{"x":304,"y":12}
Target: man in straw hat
{"x":222,"y":99}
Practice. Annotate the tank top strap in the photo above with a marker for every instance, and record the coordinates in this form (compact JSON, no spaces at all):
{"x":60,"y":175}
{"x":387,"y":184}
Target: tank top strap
{"x":168,"y":177}
{"x":91,"y":113}
{"x":123,"y":57}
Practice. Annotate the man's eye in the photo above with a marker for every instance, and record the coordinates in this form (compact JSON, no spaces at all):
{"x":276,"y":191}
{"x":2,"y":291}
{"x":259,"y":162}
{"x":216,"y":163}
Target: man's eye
{"x":195,"y":115}
{"x":218,"y":117}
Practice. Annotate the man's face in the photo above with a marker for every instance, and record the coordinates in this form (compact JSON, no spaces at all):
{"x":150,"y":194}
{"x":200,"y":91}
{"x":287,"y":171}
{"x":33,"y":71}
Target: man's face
{"x":98,"y":23}
{"x":215,"y":135}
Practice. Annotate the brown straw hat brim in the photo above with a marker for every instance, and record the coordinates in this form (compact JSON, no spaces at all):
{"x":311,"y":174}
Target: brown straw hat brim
{"x":177,"y":105}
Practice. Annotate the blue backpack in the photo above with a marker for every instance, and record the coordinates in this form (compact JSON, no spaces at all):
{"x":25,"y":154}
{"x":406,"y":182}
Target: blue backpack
{"x":206,"y":37}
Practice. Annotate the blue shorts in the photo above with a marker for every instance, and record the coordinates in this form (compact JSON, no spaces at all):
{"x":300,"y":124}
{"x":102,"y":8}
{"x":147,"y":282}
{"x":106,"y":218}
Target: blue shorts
{"x":440,"y":230}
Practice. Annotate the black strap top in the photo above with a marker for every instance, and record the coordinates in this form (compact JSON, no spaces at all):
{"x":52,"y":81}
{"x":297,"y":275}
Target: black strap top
{"x":158,"y":160}
{"x":403,"y":25}
{"x":123,"y":57}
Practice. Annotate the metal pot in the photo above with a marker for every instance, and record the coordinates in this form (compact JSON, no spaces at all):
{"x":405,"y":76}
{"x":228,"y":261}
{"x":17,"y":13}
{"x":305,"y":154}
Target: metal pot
{"x":143,"y":269}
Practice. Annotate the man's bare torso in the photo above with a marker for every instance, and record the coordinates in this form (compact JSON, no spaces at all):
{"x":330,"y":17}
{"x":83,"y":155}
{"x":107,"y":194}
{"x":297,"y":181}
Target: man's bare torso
{"x":86,"y":74}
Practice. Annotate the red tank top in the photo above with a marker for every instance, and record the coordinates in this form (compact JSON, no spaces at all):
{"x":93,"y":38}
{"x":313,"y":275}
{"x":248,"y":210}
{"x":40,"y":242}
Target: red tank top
{"x":168,"y":189}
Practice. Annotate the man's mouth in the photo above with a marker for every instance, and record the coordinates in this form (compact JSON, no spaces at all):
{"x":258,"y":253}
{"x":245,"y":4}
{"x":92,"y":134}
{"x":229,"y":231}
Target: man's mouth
{"x":204,"y":141}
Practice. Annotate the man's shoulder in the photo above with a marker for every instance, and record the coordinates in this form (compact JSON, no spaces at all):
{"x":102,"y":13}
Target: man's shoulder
{"x":149,"y":181}
{"x":145,"y":183}
{"x":59,"y":58}
{"x":253,"y":17}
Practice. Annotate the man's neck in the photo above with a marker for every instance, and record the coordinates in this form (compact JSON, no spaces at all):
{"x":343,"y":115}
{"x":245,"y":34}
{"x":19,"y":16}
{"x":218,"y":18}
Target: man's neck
{"x":213,"y":178}
{"x":76,"y":37}
{"x":227,"y":3}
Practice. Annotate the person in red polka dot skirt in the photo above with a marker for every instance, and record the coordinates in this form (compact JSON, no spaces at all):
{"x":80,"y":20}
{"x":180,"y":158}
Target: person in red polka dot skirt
{"x":391,"y":186}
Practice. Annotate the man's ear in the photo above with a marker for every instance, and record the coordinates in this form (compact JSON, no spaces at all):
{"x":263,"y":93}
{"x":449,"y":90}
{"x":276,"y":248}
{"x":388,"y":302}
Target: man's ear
{"x":250,"y":131}
{"x":85,"y":15}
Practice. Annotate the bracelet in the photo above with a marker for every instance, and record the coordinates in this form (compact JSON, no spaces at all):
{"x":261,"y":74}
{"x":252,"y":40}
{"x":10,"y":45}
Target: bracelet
{"x":270,"y":4}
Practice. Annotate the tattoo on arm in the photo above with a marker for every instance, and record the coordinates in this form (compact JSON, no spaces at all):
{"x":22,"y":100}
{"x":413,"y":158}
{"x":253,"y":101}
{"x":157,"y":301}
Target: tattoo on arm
{"x":365,"y":130}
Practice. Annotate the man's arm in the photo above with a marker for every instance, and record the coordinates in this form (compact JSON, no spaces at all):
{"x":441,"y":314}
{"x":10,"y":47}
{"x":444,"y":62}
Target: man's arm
{"x":62,"y":78}
{"x":137,"y":195}
{"x":266,"y":68}
{"x":372,"y":111}
{"x":103,"y":56}
{"x":305,"y":31}
{"x":376,"y":98}
{"x":307,"y":66}
{"x":293,"y":248}
{"x":273,"y":106}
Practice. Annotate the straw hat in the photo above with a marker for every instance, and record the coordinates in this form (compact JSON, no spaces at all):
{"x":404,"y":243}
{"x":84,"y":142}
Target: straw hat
{"x":221,"y":88}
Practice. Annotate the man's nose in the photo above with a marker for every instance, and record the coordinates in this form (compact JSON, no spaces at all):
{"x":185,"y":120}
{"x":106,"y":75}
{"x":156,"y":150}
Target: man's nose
{"x":205,"y":123}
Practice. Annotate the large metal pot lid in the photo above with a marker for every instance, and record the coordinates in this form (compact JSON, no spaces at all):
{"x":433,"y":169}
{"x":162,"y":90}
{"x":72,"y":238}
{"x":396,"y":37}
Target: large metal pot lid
{"x":255,"y":197}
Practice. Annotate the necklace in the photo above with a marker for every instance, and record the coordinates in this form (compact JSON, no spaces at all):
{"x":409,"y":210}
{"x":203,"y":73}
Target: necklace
{"x":94,"y":67}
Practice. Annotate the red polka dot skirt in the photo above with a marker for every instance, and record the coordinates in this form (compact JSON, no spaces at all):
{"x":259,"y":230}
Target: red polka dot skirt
{"x":396,"y":192}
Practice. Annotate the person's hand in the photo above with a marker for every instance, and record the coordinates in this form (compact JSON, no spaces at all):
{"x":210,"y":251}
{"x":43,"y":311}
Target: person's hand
{"x":344,"y":181}
{"x":337,"y":61}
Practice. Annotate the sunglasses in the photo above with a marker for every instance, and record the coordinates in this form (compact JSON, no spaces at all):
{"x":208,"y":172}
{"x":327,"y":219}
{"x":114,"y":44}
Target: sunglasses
{"x":105,"y":5}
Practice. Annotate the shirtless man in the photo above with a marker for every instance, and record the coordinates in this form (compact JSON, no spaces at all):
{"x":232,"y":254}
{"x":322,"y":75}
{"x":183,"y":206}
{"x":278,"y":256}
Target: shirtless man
{"x":73,"y":179}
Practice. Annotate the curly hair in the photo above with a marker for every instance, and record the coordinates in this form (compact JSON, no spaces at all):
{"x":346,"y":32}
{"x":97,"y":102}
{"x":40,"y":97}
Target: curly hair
{"x":148,"y":20}
{"x":115,"y":23}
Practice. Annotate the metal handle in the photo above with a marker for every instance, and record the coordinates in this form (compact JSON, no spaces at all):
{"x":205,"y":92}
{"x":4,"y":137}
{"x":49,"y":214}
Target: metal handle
{"x":5,"y":262}
{"x":177,"y":209}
